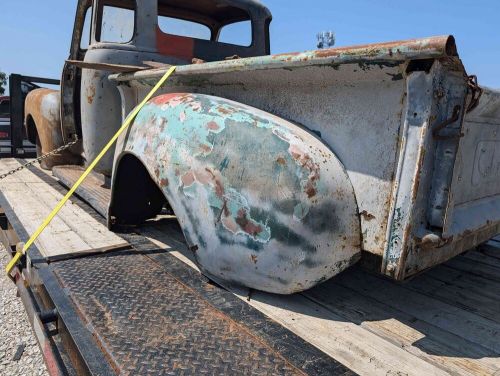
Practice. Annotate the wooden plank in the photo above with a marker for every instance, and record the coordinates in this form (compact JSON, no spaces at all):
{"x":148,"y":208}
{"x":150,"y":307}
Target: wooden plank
{"x":482,"y":286}
{"x":61,"y":236}
{"x":484,"y":258}
{"x":161,"y":235}
{"x":156,"y":64}
{"x":84,"y":226}
{"x":169,"y":226}
{"x":467,"y":325}
{"x":491,"y":249}
{"x":434,"y":345}
{"x":357,"y":348}
{"x":39,"y":168}
{"x":31,"y":213}
{"x":468,"y":298}
{"x":475,"y":268}
{"x":73,"y":231}
{"x":90,"y":191}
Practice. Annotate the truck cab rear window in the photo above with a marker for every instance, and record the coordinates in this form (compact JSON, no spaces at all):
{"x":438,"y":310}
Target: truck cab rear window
{"x":238,"y":33}
{"x":183,"y":28}
{"x":118,"y":24}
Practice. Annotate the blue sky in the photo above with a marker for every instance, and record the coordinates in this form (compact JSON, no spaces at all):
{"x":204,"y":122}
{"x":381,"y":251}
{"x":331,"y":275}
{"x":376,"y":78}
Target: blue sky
{"x":36,"y":34}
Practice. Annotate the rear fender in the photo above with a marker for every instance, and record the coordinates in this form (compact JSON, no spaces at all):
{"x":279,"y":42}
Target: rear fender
{"x":43,"y":126}
{"x":261,"y":201}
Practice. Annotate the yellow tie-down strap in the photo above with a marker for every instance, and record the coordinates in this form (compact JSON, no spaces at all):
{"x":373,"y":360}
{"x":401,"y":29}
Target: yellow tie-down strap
{"x":61,"y":203}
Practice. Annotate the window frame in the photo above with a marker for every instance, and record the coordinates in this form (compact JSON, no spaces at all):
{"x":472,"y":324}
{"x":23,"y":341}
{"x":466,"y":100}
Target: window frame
{"x":215,"y":28}
{"x":252,"y":34}
{"x":91,"y":27}
{"x":209,"y":27}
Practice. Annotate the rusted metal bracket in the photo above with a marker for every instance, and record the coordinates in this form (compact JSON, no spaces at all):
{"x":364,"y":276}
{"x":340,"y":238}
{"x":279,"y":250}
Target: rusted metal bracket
{"x":444,"y":124}
{"x":476,"y":92}
{"x":156,"y":64}
{"x":115,"y":68}
{"x":433,"y":240}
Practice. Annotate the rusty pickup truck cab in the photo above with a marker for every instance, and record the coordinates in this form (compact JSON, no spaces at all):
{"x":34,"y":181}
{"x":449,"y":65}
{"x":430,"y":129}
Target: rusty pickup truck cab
{"x":283,"y":170}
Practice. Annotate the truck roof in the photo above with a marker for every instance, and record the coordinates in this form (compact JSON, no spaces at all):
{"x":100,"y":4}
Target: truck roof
{"x":219,"y":11}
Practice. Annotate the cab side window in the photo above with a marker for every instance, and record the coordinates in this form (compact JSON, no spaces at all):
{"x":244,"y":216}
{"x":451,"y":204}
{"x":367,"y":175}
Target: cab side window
{"x":118,"y":24}
{"x":238,"y":33}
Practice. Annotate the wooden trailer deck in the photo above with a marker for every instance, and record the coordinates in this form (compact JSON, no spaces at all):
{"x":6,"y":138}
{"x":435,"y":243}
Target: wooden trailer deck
{"x":445,"y":321}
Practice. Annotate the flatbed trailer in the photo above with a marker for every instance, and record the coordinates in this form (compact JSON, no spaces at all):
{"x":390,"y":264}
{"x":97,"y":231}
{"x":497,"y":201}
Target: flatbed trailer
{"x":135,"y":302}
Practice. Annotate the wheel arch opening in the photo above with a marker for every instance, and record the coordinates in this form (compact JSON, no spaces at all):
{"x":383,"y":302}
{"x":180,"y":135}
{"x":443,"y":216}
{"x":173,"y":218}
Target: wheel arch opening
{"x":135,"y":196}
{"x":31,"y":131}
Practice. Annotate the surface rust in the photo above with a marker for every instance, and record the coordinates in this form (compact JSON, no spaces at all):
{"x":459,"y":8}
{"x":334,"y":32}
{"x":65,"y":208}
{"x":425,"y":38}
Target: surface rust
{"x":146,"y":329}
{"x":267,"y":204}
{"x":43,"y":122}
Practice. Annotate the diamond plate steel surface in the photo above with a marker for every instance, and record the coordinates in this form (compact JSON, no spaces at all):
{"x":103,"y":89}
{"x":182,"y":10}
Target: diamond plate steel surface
{"x":83,"y":281}
{"x":150,"y":323}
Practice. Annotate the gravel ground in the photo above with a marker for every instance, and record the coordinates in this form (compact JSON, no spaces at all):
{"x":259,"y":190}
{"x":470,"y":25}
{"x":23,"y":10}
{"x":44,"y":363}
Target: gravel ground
{"x":15,"y":330}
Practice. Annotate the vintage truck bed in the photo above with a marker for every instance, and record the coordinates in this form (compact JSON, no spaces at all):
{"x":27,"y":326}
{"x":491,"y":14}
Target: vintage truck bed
{"x":400,"y":117}
{"x":147,"y":310}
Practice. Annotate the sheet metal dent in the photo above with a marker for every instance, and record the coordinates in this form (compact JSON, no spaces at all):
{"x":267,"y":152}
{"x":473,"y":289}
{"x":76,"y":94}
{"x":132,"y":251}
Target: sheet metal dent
{"x":261,"y":201}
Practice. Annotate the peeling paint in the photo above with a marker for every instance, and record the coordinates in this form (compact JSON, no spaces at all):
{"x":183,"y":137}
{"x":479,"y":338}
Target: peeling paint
{"x":335,"y":94}
{"x":42,"y":111}
{"x":90,"y":93}
{"x":247,"y":186}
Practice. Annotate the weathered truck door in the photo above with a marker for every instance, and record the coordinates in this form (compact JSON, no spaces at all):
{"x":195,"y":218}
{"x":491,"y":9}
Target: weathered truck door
{"x":71,"y":75}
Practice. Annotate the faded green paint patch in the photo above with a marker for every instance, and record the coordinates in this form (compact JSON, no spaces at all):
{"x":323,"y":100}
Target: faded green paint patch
{"x":191,"y":147}
{"x":248,"y":190}
{"x":226,"y":171}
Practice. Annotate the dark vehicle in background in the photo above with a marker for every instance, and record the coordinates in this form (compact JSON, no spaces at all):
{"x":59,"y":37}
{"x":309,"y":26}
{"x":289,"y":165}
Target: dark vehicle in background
{"x":4,"y":106}
{"x":4,"y":126}
{"x":13,"y":137}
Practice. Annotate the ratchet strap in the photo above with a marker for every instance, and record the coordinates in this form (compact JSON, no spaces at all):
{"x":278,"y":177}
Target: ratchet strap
{"x":126,"y":124}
